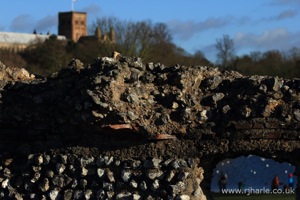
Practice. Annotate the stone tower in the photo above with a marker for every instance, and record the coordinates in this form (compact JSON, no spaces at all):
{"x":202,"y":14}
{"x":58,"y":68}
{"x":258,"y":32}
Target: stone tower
{"x":73,"y":25}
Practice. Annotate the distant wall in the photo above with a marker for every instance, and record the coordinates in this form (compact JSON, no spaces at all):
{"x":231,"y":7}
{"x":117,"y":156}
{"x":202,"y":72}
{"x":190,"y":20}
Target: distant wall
{"x":16,"y":42}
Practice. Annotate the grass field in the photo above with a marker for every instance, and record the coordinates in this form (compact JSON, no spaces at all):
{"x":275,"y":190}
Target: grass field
{"x":218,"y":196}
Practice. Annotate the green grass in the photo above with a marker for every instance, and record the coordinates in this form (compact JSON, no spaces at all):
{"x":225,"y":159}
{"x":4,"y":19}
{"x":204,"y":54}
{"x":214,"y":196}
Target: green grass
{"x":218,"y":196}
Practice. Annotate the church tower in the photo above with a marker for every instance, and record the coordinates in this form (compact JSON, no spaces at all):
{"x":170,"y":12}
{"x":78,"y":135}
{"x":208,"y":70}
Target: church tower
{"x":73,"y":25}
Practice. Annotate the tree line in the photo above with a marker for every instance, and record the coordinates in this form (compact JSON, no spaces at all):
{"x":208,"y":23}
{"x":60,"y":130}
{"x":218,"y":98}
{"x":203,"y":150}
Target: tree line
{"x":273,"y":62}
{"x":153,"y":43}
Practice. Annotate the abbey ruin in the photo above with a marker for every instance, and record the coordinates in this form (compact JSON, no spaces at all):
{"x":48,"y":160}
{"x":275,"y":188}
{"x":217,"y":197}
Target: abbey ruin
{"x":124,"y":129}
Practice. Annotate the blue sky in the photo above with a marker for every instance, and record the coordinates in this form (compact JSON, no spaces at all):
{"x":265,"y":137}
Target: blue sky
{"x":256,"y":25}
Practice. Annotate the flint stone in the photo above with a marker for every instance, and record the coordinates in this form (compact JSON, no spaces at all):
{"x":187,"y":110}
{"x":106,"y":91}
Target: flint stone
{"x":179,"y":163}
{"x":182,"y":197}
{"x":192,"y":162}
{"x":110,"y":194}
{"x":132,"y":116}
{"x":7,"y":173}
{"x":181,"y":185}
{"x":100,"y":172}
{"x":104,"y":161}
{"x":46,"y":159}
{"x":44,"y":185}
{"x":108,"y":160}
{"x":225,"y":109}
{"x":297,"y":114}
{"x":167,"y":162}
{"x":143,"y":186}
{"x":133,"y":98}
{"x":163,"y":119}
{"x":83,"y":183}
{"x":124,"y":196}
{"x":68,"y":194}
{"x":110,"y":176}
{"x":263,"y":88}
{"x":100,"y":194}
{"x":126,"y":175}
{"x":49,"y":174}
{"x":155,"y":185}
{"x":149,"y":197}
{"x":174,"y":189}
{"x":5,"y":183}
{"x":153,"y":163}
{"x":170,"y":176}
{"x":197,"y":192}
{"x":39,"y":160}
{"x":217,"y":97}
{"x":17,"y":196}
{"x":78,"y":194}
{"x":36,"y":177}
{"x":87,"y":160}
{"x":246,"y":112}
{"x":60,"y":168}
{"x":134,"y":76}
{"x":147,"y":77}
{"x":203,"y":115}
{"x":183,"y":176}
{"x":136,"y":197}
{"x":74,"y":183}
{"x":36,"y":168}
{"x":277,"y":83}
{"x":72,"y":159}
{"x":154,"y":173}
{"x":58,"y":181}
{"x":108,"y":186}
{"x":150,"y":66}
{"x":72,"y":169}
{"x":97,"y":80}
{"x":88,"y":194}
{"x":54,"y":194}
{"x":215,"y":82}
{"x":33,"y":196}
{"x":136,"y":164}
{"x":84,"y":172}
{"x":133,"y":184}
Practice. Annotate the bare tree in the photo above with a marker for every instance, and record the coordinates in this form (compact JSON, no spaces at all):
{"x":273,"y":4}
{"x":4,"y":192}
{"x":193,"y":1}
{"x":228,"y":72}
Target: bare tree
{"x":226,"y":51}
{"x":295,"y":53}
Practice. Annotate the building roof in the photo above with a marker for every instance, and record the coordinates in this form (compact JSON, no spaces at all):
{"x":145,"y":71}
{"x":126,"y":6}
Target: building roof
{"x":24,"y":38}
{"x":73,"y":12}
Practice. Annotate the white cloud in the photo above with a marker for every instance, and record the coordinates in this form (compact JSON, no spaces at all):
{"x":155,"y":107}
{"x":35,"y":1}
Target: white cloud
{"x":92,"y":9}
{"x":269,"y":39}
{"x":26,"y":23}
{"x":284,"y":2}
{"x":22,"y":23}
{"x":46,"y":24}
{"x":286,"y":14}
{"x":187,"y":29}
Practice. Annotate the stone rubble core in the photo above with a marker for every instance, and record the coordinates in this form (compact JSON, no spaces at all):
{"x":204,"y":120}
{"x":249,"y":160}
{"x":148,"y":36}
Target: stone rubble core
{"x":126,"y":109}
